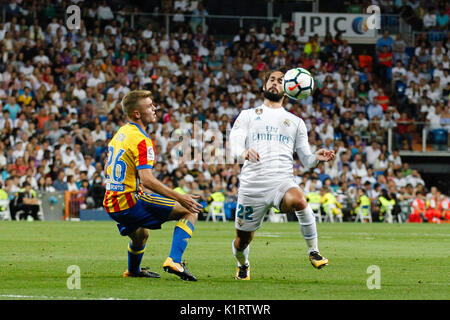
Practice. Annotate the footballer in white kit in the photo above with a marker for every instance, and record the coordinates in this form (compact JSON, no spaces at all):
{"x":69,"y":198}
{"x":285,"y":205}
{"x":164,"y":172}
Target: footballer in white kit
{"x":265,"y":139}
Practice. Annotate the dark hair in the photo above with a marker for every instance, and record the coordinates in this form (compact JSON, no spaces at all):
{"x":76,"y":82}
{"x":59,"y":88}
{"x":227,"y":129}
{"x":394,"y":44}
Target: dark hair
{"x":283,"y":70}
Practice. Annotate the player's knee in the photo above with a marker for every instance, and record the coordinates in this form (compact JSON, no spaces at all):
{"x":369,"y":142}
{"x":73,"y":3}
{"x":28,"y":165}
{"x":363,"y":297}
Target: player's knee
{"x":240,"y":244}
{"x":300,"y":204}
{"x":143,"y":236}
{"x":243,"y":240}
{"x":140,"y":237}
{"x":191,"y":216}
{"x":296,"y":204}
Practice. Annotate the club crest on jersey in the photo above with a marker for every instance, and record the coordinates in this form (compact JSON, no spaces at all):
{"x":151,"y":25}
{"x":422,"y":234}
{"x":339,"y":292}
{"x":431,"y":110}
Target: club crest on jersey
{"x":287,"y":123}
{"x":237,"y":124}
{"x":150,"y":153}
{"x":258,"y":112}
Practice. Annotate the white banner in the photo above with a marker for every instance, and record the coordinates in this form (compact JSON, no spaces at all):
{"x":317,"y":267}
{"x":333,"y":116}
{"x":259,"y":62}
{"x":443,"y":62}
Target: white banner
{"x":350,"y":25}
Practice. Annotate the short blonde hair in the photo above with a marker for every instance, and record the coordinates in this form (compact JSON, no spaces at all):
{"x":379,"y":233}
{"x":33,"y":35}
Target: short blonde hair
{"x":131,"y":100}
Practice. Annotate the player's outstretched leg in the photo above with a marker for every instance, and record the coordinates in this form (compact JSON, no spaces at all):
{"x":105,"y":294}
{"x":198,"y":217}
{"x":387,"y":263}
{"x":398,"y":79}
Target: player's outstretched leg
{"x":181,"y":234}
{"x":241,"y":249}
{"x":136,"y":249}
{"x":294,"y":201}
{"x":308,"y":227}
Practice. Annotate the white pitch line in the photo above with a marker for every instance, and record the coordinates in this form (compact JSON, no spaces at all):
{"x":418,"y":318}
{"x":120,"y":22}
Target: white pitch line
{"x":53,"y":298}
{"x":267,"y":234}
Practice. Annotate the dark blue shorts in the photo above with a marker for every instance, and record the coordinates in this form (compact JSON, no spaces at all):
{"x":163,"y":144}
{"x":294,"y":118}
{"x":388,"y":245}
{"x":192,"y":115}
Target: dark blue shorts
{"x":150,"y":211}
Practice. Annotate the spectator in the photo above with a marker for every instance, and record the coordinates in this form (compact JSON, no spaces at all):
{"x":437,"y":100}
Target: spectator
{"x":98,"y":133}
{"x":89,"y":147}
{"x":385,"y":41}
{"x":395,"y":159}
{"x":403,"y":131}
{"x":26,"y":202}
{"x":434,"y":118}
{"x":398,"y":72}
{"x":12,"y":107}
{"x":385,"y":62}
{"x":375,"y":110}
{"x":418,"y":208}
{"x":442,"y":19}
{"x":48,"y":185}
{"x":71,"y":185}
{"x":429,"y":19}
{"x":198,"y":19}
{"x":60,"y":184}
{"x":372,"y":152}
{"x":381,"y":164}
{"x":104,"y":13}
{"x":96,"y":193}
{"x":414,"y":178}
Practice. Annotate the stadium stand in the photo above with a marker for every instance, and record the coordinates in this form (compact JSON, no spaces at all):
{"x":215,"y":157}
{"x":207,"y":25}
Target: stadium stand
{"x":60,"y":93}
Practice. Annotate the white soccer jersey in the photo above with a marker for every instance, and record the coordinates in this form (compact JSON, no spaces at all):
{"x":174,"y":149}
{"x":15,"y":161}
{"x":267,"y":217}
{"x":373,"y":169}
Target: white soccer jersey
{"x":275,"y":134}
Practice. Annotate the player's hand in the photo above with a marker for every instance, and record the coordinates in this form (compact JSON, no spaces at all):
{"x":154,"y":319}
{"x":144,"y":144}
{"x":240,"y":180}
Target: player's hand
{"x":325,"y":155}
{"x":251,"y":155}
{"x":188,"y":201}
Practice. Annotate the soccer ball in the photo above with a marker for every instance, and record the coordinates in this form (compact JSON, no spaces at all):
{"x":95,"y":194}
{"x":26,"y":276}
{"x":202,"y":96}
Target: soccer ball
{"x":298,"y":83}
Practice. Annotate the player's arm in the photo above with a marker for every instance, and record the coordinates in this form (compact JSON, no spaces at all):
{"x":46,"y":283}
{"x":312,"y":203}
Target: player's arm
{"x":303,"y":149}
{"x":149,"y":181}
{"x":144,"y":158}
{"x":238,"y":140}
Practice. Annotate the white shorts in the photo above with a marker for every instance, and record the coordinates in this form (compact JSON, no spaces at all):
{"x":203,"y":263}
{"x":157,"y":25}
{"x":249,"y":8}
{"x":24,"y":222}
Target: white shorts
{"x":251,"y":208}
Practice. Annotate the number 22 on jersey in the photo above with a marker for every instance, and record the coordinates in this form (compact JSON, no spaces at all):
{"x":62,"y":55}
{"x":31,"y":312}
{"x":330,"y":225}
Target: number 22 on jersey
{"x":248,"y":212}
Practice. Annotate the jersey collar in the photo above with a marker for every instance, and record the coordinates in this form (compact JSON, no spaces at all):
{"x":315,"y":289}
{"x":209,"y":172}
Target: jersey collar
{"x":140,"y":129}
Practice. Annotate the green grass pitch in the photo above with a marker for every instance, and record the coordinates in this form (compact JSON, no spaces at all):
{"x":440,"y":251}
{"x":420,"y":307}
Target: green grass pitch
{"x":413,"y":261}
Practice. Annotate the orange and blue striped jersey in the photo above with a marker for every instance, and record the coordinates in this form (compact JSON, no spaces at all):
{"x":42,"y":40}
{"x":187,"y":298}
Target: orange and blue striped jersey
{"x":130,"y":150}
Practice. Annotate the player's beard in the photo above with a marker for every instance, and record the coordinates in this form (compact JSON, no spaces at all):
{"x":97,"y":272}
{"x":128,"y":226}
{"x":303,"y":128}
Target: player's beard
{"x":275,"y":97}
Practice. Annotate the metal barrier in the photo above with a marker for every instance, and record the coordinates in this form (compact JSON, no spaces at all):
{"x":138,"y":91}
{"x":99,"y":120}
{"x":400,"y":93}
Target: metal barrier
{"x":217,"y":24}
{"x":52,"y":205}
{"x":432,"y":36}
{"x":220,"y":24}
{"x":392,"y":23}
{"x":423,"y":138}
{"x":73,"y":202}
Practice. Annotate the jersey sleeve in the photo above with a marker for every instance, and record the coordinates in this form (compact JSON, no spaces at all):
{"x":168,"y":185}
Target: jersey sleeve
{"x":238,"y":136}
{"x":302,"y":147}
{"x":144,"y":154}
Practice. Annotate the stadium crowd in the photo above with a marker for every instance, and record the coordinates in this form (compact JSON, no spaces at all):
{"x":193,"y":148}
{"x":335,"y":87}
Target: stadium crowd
{"x":60,"y":93}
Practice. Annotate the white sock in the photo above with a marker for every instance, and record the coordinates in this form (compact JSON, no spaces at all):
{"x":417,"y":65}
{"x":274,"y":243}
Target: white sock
{"x":241,"y":256}
{"x":307,"y":223}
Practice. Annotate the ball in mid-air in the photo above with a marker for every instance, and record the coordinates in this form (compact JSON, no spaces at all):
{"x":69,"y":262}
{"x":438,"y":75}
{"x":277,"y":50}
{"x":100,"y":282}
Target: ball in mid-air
{"x":298,"y":83}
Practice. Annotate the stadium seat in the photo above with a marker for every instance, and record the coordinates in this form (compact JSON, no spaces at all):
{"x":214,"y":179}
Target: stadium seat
{"x":329,"y":215}
{"x":361,"y":216}
{"x":399,"y":218}
{"x":40,"y":212}
{"x":216,"y":209}
{"x":317,"y":211}
{"x":439,"y":139}
{"x":4,"y":210}
{"x":388,"y":218}
{"x":276,"y":217}
{"x":409,"y":51}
